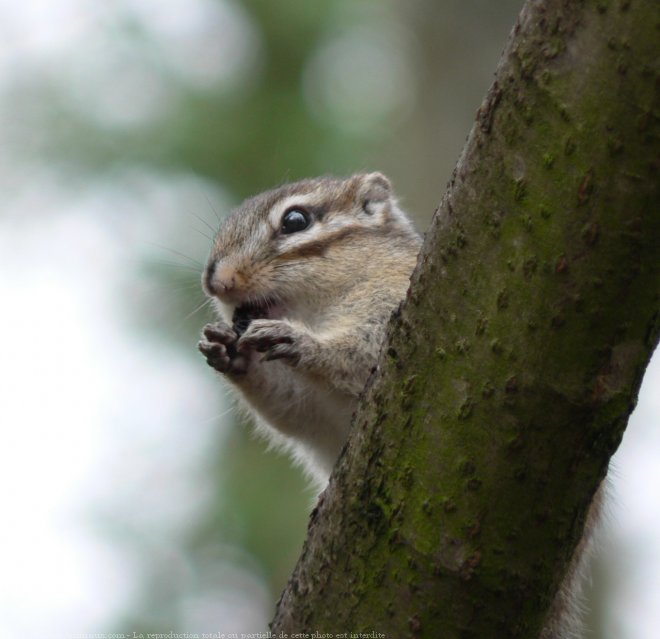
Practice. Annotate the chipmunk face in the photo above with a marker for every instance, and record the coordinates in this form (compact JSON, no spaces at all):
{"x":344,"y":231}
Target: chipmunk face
{"x":300,"y":243}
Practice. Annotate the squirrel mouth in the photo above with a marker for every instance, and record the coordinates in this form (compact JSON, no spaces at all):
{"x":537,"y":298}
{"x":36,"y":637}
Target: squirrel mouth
{"x":245,"y":313}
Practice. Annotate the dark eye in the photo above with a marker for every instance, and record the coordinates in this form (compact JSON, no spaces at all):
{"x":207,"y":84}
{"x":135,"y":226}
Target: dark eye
{"x":294,"y":220}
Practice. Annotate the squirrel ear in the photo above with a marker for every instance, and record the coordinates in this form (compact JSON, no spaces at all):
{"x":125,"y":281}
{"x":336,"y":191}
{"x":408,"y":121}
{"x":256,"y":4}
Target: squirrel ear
{"x":373,"y":188}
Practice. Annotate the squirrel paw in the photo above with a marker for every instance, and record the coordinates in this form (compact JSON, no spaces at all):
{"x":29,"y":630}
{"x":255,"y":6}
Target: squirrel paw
{"x":218,"y":345}
{"x":276,"y":339}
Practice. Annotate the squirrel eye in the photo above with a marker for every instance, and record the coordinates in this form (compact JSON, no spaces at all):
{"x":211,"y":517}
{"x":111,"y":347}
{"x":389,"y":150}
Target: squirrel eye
{"x":294,"y":220}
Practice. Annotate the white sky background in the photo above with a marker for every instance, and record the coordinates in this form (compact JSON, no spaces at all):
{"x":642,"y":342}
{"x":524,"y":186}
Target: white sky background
{"x":89,"y":410}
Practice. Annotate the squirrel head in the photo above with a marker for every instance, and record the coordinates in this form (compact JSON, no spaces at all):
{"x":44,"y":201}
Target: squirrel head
{"x":305,"y":242}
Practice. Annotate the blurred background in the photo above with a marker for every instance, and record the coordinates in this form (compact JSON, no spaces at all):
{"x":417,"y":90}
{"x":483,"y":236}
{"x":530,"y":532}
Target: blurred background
{"x":133,"y":498}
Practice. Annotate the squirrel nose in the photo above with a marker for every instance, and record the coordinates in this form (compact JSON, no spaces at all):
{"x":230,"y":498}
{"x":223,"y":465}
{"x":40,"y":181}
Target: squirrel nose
{"x":219,"y":278}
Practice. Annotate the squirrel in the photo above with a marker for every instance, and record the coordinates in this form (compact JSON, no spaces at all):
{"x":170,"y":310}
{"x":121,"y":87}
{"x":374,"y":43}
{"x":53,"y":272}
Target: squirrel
{"x":305,"y":278}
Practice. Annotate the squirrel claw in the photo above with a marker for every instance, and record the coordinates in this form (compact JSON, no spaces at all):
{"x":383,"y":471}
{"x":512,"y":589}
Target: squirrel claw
{"x":285,"y":351}
{"x":220,"y":333}
{"x":275,"y":338}
{"x":217,"y":345}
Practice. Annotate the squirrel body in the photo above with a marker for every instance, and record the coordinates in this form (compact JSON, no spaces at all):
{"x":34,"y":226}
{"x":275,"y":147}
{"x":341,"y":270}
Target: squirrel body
{"x":305,"y":278}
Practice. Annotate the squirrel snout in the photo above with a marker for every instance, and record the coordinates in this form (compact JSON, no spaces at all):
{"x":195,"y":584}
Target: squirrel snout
{"x":220,"y":279}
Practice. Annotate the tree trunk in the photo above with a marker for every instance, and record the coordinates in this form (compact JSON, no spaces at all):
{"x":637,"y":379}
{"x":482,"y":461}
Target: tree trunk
{"x":509,"y":373}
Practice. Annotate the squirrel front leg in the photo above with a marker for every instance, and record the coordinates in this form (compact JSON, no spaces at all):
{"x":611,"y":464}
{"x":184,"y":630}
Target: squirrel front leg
{"x":341,"y":360}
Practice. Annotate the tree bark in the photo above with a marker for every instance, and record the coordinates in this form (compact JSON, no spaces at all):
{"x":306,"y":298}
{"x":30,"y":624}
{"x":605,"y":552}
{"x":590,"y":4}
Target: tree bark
{"x":509,"y":373}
